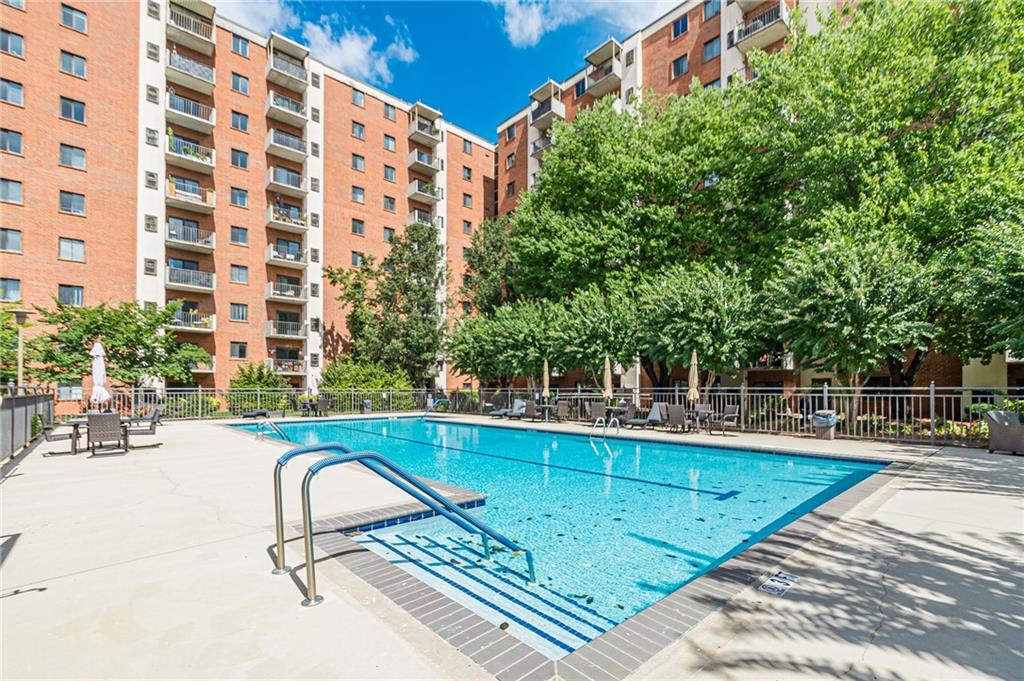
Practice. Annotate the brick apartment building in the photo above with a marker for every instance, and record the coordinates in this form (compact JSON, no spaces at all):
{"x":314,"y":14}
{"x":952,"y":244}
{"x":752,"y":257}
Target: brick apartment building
{"x":156,"y":151}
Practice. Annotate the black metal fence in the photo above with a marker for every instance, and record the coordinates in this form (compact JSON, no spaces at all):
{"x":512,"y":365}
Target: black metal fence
{"x":22,"y":417}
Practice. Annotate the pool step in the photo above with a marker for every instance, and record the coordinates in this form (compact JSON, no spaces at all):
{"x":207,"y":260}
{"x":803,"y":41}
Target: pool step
{"x":552,"y":623}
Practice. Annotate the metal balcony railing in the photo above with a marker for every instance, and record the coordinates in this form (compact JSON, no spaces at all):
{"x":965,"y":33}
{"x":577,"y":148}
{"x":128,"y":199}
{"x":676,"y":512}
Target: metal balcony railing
{"x":191,"y":235}
{"x":276,"y":327}
{"x":286,"y":366}
{"x":427,"y":128}
{"x":287,"y":177}
{"x":190,"y":66}
{"x":185,"y":277}
{"x":288,"y":215}
{"x":288,"y":66}
{"x":425,"y":188}
{"x":189,"y":107}
{"x":276,"y":253}
{"x":180,"y":189}
{"x":541,"y":109}
{"x":602,"y":71}
{"x":759,"y":23}
{"x":288,"y":140}
{"x":177,"y":145}
{"x":192,"y":320}
{"x":283,"y":290}
{"x":421,"y":216}
{"x":295,"y":106}
{"x":190,"y":23}
{"x":541,"y":144}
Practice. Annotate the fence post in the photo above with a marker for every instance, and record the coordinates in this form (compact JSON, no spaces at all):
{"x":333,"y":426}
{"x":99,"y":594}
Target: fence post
{"x":931,"y":411}
{"x":824,"y":395}
{"x":743,"y":406}
{"x":259,"y":399}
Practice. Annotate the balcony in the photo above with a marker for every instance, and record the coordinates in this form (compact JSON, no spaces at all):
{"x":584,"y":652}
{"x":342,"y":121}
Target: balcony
{"x":422,"y":162}
{"x":283,"y":257}
{"x":604,"y":73}
{"x":190,"y":239}
{"x":424,"y":132}
{"x":748,"y":5}
{"x":186,"y":196}
{"x":285,"y":145}
{"x":545,"y":113}
{"x":277,"y":329}
{"x":540,"y":145}
{"x":286,"y":110}
{"x":206,"y":367}
{"x":193,"y":322}
{"x":280,"y":292}
{"x":763,"y":30}
{"x":286,"y":182}
{"x":190,"y":114}
{"x":287,"y":72}
{"x":190,"y":280}
{"x":190,"y":29}
{"x":189,"y":73}
{"x":423,"y":192}
{"x":287,"y":220}
{"x":776,"y":361}
{"x":421,"y":217}
{"x":190,"y":155}
{"x":287,"y":367}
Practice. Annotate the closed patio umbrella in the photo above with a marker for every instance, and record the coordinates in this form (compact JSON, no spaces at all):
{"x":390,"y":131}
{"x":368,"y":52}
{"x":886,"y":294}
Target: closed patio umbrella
{"x":607,"y":378}
{"x":693,"y":394}
{"x":547,"y":380}
{"x":100,"y":394}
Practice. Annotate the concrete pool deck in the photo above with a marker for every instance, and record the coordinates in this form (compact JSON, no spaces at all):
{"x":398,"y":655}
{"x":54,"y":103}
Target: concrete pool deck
{"x":156,"y":565}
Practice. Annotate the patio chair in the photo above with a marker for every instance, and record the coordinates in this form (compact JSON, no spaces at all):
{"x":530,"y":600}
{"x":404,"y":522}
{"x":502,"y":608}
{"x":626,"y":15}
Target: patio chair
{"x":676,"y":418}
{"x":1005,"y":432}
{"x":531,"y":412}
{"x":50,"y":436}
{"x":106,"y":429}
{"x":730,"y":417}
{"x":146,"y":425}
{"x":518,"y":409}
{"x":629,"y":414}
{"x":323,"y":406}
{"x":595,"y":411}
{"x":655,"y":417}
{"x":561,"y":411}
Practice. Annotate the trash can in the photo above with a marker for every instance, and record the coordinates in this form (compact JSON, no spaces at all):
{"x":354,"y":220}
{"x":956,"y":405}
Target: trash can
{"x":824,"y":421}
{"x":367,"y":406}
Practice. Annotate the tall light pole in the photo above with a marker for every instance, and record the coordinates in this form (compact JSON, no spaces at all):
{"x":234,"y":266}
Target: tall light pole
{"x":20,"y":317}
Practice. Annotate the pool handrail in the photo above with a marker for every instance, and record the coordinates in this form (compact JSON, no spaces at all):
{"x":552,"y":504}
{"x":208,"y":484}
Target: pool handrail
{"x":273,"y":426}
{"x":435,"y":404}
{"x":385,"y":468}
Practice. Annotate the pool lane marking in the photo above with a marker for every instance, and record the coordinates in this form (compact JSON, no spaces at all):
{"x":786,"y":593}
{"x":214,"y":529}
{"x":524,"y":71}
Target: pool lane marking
{"x":497,"y":608}
{"x":718,"y":496}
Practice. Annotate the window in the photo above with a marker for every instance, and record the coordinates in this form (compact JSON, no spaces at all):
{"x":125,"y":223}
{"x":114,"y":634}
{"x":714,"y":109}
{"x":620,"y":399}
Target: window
{"x":389,"y":234}
{"x":389,"y":142}
{"x":70,"y":295}
{"x":72,"y":157}
{"x":510,"y":133}
{"x":467,"y":147}
{"x":239,"y":350}
{"x":10,"y":240}
{"x":358,"y":226}
{"x":711,"y":8}
{"x":10,"y":141}
{"x":72,"y":203}
{"x":239,"y":235}
{"x":389,"y":204}
{"x":10,"y":190}
{"x":467,"y":173}
{"x":680,"y":26}
{"x":510,"y":189}
{"x":239,"y":121}
{"x":357,"y":259}
{"x":72,"y":110}
{"x":358,"y":195}
{"x":510,"y":161}
{"x":12,"y":43}
{"x":69,"y":390}
{"x":20,"y":4}
{"x":71,"y":249}
{"x":358,"y":163}
{"x":630,"y":56}
{"x":72,"y":63}
{"x":11,"y":92}
{"x":10,"y":289}
{"x":716,"y":83}
{"x":358,"y":98}
{"x":389,"y":112}
{"x":389,"y":174}
{"x":239,"y":45}
{"x":680,"y":66}
{"x":581,"y":87}
{"x":358,"y":130}
{"x":239,"y":311}
{"x":73,"y":18}
{"x":239,"y":158}
{"x":467,"y":227}
{"x":239,"y":197}
{"x":239,"y":83}
{"x":239,"y":274}
{"x":467,"y":201}
{"x":712,"y":48}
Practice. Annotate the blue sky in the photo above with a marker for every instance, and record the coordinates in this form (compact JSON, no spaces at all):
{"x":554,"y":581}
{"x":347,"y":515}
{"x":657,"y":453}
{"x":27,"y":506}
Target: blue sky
{"x":477,"y":61}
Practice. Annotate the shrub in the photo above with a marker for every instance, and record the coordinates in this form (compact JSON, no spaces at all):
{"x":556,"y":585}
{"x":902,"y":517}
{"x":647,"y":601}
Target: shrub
{"x":348,"y":382}
{"x":257,"y":386}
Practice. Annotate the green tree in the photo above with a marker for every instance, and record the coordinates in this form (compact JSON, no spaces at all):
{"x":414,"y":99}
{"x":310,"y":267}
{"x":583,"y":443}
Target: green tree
{"x":253,"y":375}
{"x":596,"y":324}
{"x":348,"y":373}
{"x":395,"y":316}
{"x":135,"y":339}
{"x":8,"y":346}
{"x":489,"y":267}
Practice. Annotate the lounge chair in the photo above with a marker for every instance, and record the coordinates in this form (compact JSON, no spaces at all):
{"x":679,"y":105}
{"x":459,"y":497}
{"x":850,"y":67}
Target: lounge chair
{"x":676,"y":417}
{"x":499,"y":411}
{"x":655,"y":417}
{"x":518,"y":409}
{"x":146,"y":425}
{"x":561,"y":411}
{"x":532,"y":412}
{"x":1005,"y":432}
{"x":730,"y":417}
{"x":106,"y":429}
{"x":50,"y":436}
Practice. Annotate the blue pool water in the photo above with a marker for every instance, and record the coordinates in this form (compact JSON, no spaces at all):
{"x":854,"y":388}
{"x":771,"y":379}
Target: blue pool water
{"x":618,"y":523}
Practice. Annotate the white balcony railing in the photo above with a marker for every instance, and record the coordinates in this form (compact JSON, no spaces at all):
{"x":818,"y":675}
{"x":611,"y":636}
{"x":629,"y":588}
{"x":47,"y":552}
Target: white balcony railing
{"x":193,"y":278}
{"x":189,"y":107}
{"x":193,"y":321}
{"x":186,"y":191}
{"x":287,"y":103}
{"x":178,"y":61}
{"x":190,"y":24}
{"x":275,"y":327}
{"x":287,"y":366}
{"x":189,"y":150}
{"x":191,"y":235}
{"x":289,"y":67}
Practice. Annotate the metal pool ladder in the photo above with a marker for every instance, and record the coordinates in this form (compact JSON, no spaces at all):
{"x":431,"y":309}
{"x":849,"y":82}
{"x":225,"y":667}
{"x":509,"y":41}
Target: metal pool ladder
{"x":406,"y":482}
{"x":273,"y":426}
{"x":435,"y":405}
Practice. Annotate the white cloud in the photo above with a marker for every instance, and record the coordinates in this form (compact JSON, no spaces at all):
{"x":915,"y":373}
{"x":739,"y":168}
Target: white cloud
{"x":352,"y":49}
{"x":526,"y":21}
{"x":262,"y":16}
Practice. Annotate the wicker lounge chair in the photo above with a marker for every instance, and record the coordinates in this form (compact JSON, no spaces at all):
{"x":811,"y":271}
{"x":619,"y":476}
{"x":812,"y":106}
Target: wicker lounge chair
{"x":532,"y":412}
{"x":1005,"y":432}
{"x":677,"y":418}
{"x":50,"y":436}
{"x":562,"y":411}
{"x":106,"y":429}
{"x":146,"y":425}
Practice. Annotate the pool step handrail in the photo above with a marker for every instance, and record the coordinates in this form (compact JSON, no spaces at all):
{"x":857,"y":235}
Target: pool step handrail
{"x":273,"y":426}
{"x":433,"y":406}
{"x":600,"y":421}
{"x":385,"y":468}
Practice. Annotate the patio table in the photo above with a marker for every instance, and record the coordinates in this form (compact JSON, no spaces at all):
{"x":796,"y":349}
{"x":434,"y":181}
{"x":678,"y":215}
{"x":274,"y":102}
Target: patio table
{"x":546,"y":409}
{"x":77,"y":424}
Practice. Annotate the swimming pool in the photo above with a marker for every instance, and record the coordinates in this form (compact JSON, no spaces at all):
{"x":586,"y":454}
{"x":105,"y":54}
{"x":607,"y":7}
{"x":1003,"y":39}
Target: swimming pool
{"x":614,"y":524}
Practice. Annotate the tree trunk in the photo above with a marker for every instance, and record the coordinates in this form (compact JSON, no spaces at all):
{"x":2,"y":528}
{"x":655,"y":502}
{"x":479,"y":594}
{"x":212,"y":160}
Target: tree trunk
{"x":903,"y":376}
{"x":658,"y":372}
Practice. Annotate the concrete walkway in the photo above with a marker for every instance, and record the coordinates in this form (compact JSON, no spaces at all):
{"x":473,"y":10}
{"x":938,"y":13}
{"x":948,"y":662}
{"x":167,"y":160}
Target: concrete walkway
{"x":156,"y":565}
